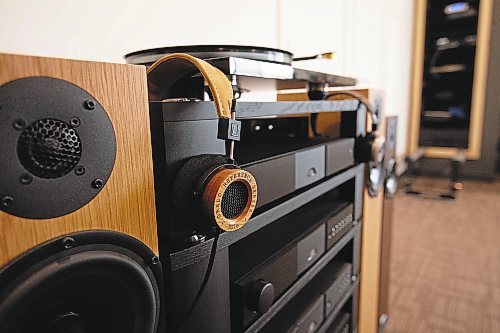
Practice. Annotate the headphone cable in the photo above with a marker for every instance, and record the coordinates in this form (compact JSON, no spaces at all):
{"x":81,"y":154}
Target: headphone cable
{"x":362,"y":100}
{"x":204,"y":284}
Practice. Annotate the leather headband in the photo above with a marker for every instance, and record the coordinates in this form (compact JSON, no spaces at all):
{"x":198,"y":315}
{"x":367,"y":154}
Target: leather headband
{"x":169,"y":69}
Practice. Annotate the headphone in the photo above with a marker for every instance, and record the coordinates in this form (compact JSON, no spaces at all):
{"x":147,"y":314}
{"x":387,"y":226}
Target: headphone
{"x":370,"y":148}
{"x":210,"y":189}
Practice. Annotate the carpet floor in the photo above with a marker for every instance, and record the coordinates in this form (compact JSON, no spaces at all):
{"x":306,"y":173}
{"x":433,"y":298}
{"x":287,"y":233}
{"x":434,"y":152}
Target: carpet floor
{"x":445,"y":265}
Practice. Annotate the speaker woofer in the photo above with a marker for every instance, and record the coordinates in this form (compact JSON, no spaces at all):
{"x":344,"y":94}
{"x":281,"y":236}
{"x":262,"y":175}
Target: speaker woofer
{"x":99,"y":282}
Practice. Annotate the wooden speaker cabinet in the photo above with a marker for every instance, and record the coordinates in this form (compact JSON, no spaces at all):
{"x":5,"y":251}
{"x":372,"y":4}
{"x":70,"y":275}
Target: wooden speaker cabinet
{"x":450,"y":73}
{"x":78,"y":240}
{"x":371,"y":238}
{"x":390,"y":188}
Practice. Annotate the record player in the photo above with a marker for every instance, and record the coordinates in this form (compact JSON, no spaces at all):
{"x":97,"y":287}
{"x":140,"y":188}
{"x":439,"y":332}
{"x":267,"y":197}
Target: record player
{"x":247,"y":63}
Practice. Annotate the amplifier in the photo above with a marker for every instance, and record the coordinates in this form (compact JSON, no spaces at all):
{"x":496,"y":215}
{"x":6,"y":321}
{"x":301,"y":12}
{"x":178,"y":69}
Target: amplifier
{"x":299,"y":168}
{"x":268,"y":262}
{"x":338,"y":225}
{"x":319,"y":300}
{"x":254,"y":294}
{"x":334,"y":293}
{"x":310,"y":320}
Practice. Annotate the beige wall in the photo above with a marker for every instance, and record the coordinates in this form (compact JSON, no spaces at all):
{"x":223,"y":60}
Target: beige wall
{"x":105,"y":30}
{"x":372,"y":41}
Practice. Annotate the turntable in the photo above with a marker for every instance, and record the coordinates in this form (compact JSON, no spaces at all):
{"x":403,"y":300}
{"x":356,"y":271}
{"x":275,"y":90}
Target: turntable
{"x":244,"y":62}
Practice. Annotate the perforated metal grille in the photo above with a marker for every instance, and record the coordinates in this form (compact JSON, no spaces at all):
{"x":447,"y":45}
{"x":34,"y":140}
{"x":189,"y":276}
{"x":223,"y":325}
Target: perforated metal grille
{"x":49,"y":148}
{"x":234,"y":200}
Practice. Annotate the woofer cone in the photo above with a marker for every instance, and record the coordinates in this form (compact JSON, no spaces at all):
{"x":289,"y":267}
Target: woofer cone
{"x":98,"y":288}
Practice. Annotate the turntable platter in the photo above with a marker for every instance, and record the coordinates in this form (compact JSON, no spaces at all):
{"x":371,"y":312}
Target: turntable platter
{"x":147,"y":57}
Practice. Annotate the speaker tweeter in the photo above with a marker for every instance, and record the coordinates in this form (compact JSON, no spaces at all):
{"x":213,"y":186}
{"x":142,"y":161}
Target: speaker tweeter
{"x":58,"y":147}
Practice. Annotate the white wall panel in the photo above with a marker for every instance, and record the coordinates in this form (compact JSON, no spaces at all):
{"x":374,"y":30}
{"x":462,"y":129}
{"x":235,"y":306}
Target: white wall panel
{"x":311,"y":27}
{"x":106,"y":30}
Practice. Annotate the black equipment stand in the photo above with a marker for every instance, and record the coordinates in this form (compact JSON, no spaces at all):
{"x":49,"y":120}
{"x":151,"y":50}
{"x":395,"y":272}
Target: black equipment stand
{"x":414,"y":163}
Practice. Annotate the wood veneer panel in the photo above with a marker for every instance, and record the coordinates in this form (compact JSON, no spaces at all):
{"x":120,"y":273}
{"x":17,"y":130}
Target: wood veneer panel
{"x":126,"y":203}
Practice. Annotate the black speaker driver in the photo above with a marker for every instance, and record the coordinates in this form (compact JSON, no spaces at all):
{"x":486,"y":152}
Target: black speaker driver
{"x":88,"y":282}
{"x":376,"y":178}
{"x":49,"y":148}
{"x":58,"y":147}
{"x":391,"y":179}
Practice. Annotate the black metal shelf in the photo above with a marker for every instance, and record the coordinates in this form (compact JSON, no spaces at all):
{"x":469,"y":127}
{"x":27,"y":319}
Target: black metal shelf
{"x":260,"y":247}
{"x":205,"y":110}
{"x":304,"y":279}
{"x":288,"y":206}
{"x":194,"y":254}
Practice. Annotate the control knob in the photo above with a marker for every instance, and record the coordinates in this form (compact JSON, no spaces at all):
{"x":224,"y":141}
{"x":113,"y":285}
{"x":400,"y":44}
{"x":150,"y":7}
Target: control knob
{"x":260,"y":296}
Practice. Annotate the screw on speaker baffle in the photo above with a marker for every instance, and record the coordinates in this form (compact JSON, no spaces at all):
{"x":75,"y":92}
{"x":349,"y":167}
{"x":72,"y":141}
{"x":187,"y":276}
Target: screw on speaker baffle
{"x":89,"y":104}
{"x":68,"y":242}
{"x":7,"y":200}
{"x":74,"y":122}
{"x":155,"y":260}
{"x":80,"y":170}
{"x":97,"y":183}
{"x":19,"y":124}
{"x":26,"y":179}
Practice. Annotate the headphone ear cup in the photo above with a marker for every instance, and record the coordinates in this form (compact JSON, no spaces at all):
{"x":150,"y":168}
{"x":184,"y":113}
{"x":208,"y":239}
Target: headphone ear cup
{"x":230,"y":197}
{"x":210,"y":190}
{"x":188,"y":182}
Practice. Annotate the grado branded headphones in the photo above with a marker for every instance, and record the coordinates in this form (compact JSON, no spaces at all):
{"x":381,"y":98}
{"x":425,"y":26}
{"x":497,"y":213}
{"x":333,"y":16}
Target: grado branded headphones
{"x":208,"y":188}
{"x":370,"y":148}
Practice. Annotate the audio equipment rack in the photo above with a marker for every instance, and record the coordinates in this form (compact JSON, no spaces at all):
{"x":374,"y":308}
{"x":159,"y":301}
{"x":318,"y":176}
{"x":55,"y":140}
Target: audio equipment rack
{"x":173,"y":124}
{"x":295,"y":265}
